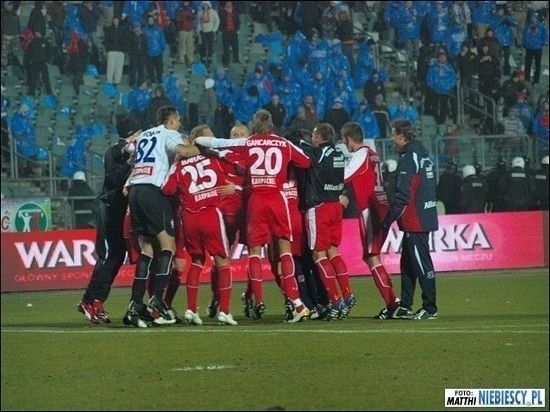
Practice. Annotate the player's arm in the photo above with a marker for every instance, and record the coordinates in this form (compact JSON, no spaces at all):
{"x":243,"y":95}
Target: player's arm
{"x":299,"y":157}
{"x":216,"y":143}
{"x":405,"y":172}
{"x":186,"y":151}
{"x":354,"y":167}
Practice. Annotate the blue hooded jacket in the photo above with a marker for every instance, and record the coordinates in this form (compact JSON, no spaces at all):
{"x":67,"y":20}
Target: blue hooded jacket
{"x":504,"y":29}
{"x":534,"y":36}
{"x":75,"y":156}
{"x":24,"y":135}
{"x":364,"y":64}
{"x":368,"y":122}
{"x":156,"y":40}
{"x":139,"y":99}
{"x":408,"y":23}
{"x":441,"y":78}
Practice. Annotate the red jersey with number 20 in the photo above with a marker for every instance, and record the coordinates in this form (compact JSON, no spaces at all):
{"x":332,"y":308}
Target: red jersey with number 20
{"x":266,"y":157}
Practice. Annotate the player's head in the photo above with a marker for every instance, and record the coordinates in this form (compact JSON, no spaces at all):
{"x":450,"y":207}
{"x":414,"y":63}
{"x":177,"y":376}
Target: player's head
{"x":128,"y":128}
{"x":402,"y":132}
{"x":169,"y":117}
{"x":296,"y":135}
{"x":352,"y":135}
{"x":322,"y":133}
{"x":239,"y":131}
{"x":200,"y":130}
{"x":262,"y":122}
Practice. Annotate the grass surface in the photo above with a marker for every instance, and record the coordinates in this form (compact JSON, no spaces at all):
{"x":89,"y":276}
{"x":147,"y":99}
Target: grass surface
{"x":492,"y":332}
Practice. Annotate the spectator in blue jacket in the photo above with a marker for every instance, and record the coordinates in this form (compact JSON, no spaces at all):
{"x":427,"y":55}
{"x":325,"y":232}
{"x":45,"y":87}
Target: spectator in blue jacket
{"x":156,"y":42}
{"x":454,"y":40}
{"x":225,"y":87}
{"x":138,"y":101}
{"x":133,"y":12}
{"x":346,"y":94}
{"x":438,"y":22}
{"x":390,"y":19}
{"x":368,"y":122}
{"x":246,"y":103}
{"x":364,"y":63}
{"x":75,"y":156}
{"x":441,"y":79}
{"x":533,"y":40}
{"x":24,"y":137}
{"x":504,"y":25}
{"x":290,"y":94}
{"x":23,"y":132}
{"x":89,"y":15}
{"x":403,"y":111}
{"x":524,"y":111}
{"x":173,"y":92}
{"x":408,"y":29}
{"x":338,"y":60}
{"x":318,"y":60}
{"x":482,"y":14}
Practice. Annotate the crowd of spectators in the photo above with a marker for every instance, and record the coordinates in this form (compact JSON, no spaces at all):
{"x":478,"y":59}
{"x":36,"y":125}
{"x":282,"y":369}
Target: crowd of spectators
{"x":324,"y":61}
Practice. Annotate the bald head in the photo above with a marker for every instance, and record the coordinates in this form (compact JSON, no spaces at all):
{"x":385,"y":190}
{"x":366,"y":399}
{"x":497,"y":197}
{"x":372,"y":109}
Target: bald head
{"x":239,"y":131}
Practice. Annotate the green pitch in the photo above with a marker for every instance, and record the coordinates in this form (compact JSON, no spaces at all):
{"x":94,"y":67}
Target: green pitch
{"x":492,"y":332}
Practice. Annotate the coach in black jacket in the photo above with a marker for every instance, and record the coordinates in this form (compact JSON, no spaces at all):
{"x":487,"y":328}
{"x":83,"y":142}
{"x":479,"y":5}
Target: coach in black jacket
{"x":414,"y":208}
{"x":110,"y":244}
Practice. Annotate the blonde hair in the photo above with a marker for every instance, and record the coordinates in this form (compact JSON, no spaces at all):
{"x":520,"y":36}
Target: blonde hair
{"x":197,"y":131}
{"x":262,"y":122}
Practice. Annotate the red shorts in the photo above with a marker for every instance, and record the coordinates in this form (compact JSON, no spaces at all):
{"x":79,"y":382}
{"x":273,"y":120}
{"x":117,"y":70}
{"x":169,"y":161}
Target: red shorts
{"x":233,"y":224}
{"x":205,"y":232}
{"x":372,"y":235}
{"x":297,"y":225}
{"x":324,"y":225}
{"x":267,"y":216}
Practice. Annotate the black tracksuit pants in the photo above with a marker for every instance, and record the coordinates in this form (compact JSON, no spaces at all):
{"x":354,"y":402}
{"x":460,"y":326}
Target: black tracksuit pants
{"x":416,"y":263}
{"x":111,"y":251}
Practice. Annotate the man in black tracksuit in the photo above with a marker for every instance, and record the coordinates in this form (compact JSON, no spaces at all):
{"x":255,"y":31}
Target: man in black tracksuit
{"x":110,"y":243}
{"x":414,"y":208}
{"x":324,"y":182}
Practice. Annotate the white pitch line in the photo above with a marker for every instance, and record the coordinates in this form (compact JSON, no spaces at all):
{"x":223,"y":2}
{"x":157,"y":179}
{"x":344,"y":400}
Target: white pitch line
{"x":277,"y":331}
{"x":203,"y":368}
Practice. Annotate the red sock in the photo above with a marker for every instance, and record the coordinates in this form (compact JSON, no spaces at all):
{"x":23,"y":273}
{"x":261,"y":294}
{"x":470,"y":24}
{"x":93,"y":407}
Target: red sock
{"x":289,"y":280}
{"x":193,"y":286}
{"x":256,"y":282}
{"x":248,"y":290}
{"x":214,"y":283}
{"x":224,"y":288}
{"x":279,"y":282}
{"x":383,"y":282}
{"x":341,"y":275}
{"x":328,"y":277}
{"x":172,"y":286}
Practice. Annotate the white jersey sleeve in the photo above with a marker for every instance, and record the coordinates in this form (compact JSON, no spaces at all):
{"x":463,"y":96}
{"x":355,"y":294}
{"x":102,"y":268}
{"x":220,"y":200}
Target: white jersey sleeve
{"x":154,"y":150}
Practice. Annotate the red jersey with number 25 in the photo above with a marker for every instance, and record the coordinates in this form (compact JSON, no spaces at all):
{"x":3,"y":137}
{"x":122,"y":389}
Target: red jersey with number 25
{"x":197,"y":178}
